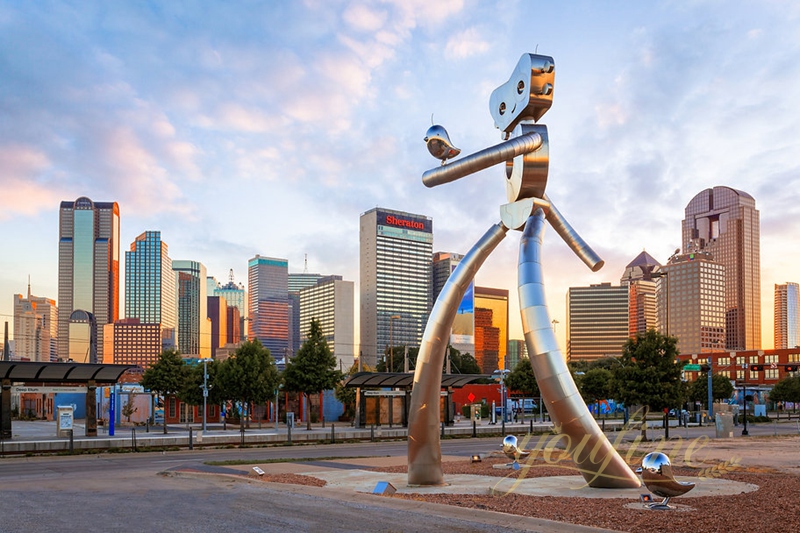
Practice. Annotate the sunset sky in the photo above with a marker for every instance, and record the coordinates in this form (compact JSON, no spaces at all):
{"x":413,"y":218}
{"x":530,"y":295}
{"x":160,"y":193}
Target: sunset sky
{"x":243,"y":128}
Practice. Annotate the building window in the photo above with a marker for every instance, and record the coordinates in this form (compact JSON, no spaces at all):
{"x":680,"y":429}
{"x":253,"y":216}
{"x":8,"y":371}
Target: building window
{"x":172,"y":407}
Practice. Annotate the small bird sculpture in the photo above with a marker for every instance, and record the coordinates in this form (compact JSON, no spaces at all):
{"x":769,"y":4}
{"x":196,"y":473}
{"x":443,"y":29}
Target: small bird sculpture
{"x":657,"y":475}
{"x":513,"y":451}
{"x":439,"y":144}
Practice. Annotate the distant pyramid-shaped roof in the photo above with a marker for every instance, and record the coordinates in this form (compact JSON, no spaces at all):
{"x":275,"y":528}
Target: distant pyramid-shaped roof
{"x":640,"y":268}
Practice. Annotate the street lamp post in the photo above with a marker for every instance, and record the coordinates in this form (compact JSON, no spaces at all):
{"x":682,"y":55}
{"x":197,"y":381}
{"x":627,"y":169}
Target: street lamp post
{"x":391,"y":341}
{"x":502,"y":373}
{"x":744,"y":390}
{"x":205,"y":392}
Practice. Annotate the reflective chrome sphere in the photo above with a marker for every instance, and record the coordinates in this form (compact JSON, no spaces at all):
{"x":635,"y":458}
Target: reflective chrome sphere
{"x":653,"y":462}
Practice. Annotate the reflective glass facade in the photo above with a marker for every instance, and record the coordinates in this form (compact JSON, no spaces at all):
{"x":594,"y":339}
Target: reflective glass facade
{"x":150,"y":292}
{"x":88,"y":267}
{"x":693,"y":290}
{"x":194,"y":327}
{"x":396,"y":250}
{"x":490,"y":355}
{"x":269,"y":309}
{"x":725,"y":222}
{"x":787,"y":315}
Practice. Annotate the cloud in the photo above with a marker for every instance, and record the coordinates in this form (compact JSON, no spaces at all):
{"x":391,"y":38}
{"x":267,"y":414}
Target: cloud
{"x":466,"y":44}
{"x":27,"y":188}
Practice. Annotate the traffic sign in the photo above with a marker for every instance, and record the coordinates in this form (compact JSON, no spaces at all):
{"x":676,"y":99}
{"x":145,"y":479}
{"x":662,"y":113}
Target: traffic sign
{"x":692,"y":368}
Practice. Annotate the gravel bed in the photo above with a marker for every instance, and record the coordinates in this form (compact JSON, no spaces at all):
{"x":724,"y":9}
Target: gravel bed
{"x":292,"y":479}
{"x":774,"y":507}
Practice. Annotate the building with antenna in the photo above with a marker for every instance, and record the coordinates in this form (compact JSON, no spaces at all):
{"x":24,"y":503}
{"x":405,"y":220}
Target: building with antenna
{"x":35,"y":328}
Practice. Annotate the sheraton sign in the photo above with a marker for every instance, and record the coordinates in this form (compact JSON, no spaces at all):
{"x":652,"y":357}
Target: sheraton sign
{"x":388,"y":219}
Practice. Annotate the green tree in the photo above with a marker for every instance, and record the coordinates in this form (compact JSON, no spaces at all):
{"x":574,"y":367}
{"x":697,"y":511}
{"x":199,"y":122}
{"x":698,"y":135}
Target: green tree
{"x":721,"y":388}
{"x":192,"y":392}
{"x":462,"y":363}
{"x":786,"y":390}
{"x":595,"y":385}
{"x":522,"y":380}
{"x":248,"y":376}
{"x":648,"y":374}
{"x":166,"y":377}
{"x":347,"y":395}
{"x":128,"y":409}
{"x":313,"y":369}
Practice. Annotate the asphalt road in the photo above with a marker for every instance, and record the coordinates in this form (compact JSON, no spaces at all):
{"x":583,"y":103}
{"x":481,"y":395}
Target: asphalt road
{"x":137,"y":492}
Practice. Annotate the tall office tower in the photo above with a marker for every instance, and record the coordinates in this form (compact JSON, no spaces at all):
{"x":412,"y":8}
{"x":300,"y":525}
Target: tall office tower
{"x":725,"y":222}
{"x":218,"y":315}
{"x":496,"y":301}
{"x":395,"y":250}
{"x":150,"y":290}
{"x":330,"y":301}
{"x":693,"y":289}
{"x":234,"y":331}
{"x":597,"y":321}
{"x":269,"y":309}
{"x":131,"y":342}
{"x":35,"y":328}
{"x":443,"y":265}
{"x":517,"y":351}
{"x":236,"y":295}
{"x":297,"y":282}
{"x":88,"y":277}
{"x":462,"y":336}
{"x":642,"y":312}
{"x":787,"y":316}
{"x":487,"y":342}
{"x":194,"y":326}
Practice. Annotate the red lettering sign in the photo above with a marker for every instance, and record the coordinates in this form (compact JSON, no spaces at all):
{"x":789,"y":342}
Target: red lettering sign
{"x":403,"y":223}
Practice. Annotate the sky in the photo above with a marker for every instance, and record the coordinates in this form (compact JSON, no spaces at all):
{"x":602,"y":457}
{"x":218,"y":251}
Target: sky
{"x":240,"y":128}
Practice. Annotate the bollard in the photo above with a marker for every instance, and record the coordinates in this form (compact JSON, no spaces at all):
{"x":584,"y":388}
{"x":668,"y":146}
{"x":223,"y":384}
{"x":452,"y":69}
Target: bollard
{"x":191,"y":444}
{"x":504,"y":426}
{"x":71,"y":443}
{"x":530,"y":431}
{"x":372,"y":433}
{"x":333,"y":436}
{"x":241,"y":429}
{"x":133,"y":440}
{"x":604,"y":425}
{"x":147,"y":426}
{"x":289,"y":433}
{"x":474,"y":430}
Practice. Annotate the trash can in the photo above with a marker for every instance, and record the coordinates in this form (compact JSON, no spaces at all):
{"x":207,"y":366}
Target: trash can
{"x":475,"y":412}
{"x":724,"y":423}
{"x":290,"y":420}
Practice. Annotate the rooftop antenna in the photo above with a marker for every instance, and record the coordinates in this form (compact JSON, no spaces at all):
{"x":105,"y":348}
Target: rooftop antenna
{"x":305,"y":264}
{"x":29,"y":286}
{"x":230,"y":275}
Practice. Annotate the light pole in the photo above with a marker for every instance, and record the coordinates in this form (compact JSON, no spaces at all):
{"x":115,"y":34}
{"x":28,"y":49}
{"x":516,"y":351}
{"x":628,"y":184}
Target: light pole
{"x":391,"y":341}
{"x":502,"y":373}
{"x":744,"y":390}
{"x":280,"y":386}
{"x":205,"y":391}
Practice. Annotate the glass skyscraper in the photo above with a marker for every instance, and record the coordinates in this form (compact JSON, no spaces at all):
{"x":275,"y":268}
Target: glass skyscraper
{"x":691,"y":302}
{"x":194,"y":326}
{"x":235,"y":296}
{"x":787,"y":315}
{"x":396,"y":250}
{"x":150,"y":291}
{"x":35,"y":328}
{"x":268,"y":308}
{"x":297,"y":282}
{"x":88,"y":277}
{"x":725,"y":222}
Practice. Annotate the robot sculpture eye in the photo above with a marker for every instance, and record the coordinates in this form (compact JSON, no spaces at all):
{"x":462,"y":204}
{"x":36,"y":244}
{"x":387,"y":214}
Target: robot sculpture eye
{"x":439,"y":144}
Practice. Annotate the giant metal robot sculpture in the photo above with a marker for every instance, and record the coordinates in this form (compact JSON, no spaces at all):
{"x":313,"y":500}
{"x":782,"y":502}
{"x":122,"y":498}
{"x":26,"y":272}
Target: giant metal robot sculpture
{"x":515,"y":107}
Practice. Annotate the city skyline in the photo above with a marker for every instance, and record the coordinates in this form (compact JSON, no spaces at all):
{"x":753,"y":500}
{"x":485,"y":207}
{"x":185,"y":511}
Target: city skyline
{"x":212,"y":127}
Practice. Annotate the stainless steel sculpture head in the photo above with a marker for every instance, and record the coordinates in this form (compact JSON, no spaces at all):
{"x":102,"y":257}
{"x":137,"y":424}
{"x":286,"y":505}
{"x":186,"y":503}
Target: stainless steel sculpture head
{"x":515,"y":107}
{"x":658,"y":478}
{"x":513,"y":451}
